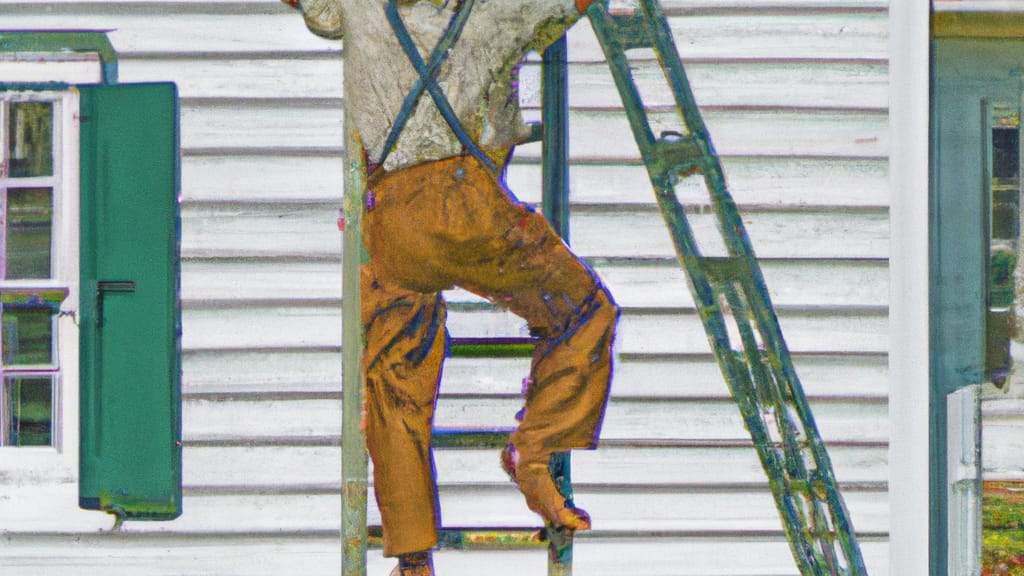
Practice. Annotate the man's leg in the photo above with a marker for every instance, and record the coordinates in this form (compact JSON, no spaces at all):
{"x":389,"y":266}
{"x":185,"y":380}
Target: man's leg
{"x":405,"y":346}
{"x":565,"y":402}
{"x":458,"y":226}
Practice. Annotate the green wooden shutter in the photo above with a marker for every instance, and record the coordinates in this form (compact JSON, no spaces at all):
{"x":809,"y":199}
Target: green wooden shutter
{"x":129,"y":317}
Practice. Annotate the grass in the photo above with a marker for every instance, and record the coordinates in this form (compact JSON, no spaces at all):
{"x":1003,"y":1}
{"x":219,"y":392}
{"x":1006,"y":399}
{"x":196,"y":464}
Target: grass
{"x":1003,"y":529}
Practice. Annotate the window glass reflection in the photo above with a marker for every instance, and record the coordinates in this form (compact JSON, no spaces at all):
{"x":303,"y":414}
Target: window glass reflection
{"x":1004,"y":146}
{"x":28,"y":411}
{"x":29,"y":223}
{"x":30,"y":147}
{"x":27,"y":336}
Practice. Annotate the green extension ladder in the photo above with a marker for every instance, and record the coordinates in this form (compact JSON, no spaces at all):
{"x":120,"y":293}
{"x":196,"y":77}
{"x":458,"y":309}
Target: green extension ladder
{"x":730,"y":289}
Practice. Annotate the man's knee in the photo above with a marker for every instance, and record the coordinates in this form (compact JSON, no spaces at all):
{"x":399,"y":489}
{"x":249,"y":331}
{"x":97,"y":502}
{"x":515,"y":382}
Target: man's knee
{"x":597,"y":315}
{"x":609,"y":309}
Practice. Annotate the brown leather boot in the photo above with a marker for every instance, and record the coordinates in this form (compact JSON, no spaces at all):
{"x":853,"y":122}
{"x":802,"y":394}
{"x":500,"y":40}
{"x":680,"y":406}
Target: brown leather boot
{"x":415,"y":564}
{"x":542,"y":496}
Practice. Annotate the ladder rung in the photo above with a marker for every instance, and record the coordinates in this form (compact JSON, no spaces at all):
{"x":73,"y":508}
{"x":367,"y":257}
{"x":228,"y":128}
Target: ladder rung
{"x":506,"y":347}
{"x":536,"y":133}
{"x":721,"y":269}
{"x":676,"y":153}
{"x":470,"y":437}
{"x":476,"y":538}
{"x":632,"y":30}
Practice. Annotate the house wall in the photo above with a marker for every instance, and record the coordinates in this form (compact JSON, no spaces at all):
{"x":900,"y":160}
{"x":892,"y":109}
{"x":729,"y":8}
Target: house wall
{"x":795,"y":93}
{"x":1002,"y":409}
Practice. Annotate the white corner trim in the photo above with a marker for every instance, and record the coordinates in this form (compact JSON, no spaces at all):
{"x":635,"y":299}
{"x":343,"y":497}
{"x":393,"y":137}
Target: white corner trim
{"x":909,"y":72}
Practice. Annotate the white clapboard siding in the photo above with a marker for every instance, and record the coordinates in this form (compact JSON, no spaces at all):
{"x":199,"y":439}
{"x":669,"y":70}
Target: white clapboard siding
{"x":753,"y":181}
{"x":670,"y":6}
{"x":308,"y":371}
{"x":265,"y":231}
{"x":316,"y":76}
{"x":661,"y":332}
{"x":210,"y":127}
{"x":826,"y":34}
{"x":658,"y":284}
{"x":193,"y":34}
{"x":317,"y":125}
{"x":294,"y":420}
{"x":750,"y":511}
{"x":262,"y":178}
{"x":1003,"y":435}
{"x":255,"y":468}
{"x":693,"y":377}
{"x":133,"y":554}
{"x":765,"y":34}
{"x":740,"y":132}
{"x":795,"y":93}
{"x":976,"y":5}
{"x":718,"y":85}
{"x":305,"y":372}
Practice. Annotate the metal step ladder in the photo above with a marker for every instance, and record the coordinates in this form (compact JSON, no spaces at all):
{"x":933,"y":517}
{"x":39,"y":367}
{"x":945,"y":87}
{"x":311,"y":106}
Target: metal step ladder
{"x":732,"y":300}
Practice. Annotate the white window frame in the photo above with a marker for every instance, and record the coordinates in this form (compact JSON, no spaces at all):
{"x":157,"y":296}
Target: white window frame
{"x":61,"y":456}
{"x":39,"y":485}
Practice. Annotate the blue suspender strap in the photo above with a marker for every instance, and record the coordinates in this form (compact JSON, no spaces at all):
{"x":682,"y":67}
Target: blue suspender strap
{"x":436,"y":59}
{"x":428,"y":80}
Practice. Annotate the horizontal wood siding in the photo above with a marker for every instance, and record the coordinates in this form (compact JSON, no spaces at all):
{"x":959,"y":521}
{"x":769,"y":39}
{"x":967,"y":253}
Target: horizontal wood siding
{"x":795,"y":93}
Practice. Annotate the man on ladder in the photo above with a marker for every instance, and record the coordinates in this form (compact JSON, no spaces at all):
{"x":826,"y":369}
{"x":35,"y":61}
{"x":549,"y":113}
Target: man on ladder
{"x":437,"y":215}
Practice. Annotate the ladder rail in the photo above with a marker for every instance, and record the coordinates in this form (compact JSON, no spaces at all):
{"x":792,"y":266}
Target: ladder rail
{"x":812,"y":531}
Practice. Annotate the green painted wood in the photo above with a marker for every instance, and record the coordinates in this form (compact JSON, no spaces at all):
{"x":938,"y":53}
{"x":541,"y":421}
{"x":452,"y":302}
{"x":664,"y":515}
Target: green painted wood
{"x":130,"y":357}
{"x":496,"y":538}
{"x":467,"y":347}
{"x":733,"y":303}
{"x":555,"y":159}
{"x":470,"y":438}
{"x":354,"y":458}
{"x":555,"y":202}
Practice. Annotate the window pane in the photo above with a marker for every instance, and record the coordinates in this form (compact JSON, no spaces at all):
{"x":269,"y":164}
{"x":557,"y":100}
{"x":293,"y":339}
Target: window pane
{"x":31,"y":139}
{"x":1005,"y":183}
{"x":29,"y":222}
{"x":27,"y":337}
{"x":28,"y":411}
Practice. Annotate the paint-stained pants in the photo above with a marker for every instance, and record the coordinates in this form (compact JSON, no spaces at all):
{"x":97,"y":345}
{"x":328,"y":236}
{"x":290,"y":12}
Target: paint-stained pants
{"x":449,"y":223}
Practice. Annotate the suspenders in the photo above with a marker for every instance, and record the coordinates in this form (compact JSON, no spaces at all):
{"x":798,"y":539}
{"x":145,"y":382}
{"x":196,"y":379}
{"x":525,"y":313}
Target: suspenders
{"x":428,"y":80}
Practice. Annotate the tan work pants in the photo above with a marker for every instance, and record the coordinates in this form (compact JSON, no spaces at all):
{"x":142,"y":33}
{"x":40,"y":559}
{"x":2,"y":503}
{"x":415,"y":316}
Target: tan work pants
{"x":450,"y":223}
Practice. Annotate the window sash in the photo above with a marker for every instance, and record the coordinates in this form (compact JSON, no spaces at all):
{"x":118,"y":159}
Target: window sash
{"x":62,"y":253}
